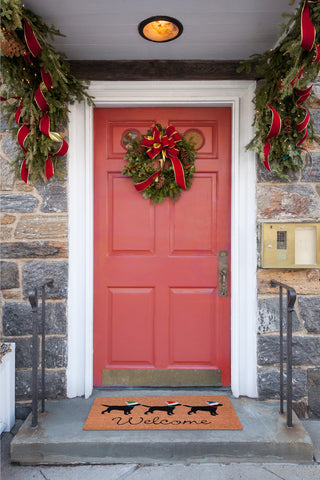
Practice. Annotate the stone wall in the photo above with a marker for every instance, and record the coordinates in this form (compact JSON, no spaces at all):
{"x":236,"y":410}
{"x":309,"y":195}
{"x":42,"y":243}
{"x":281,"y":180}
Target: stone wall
{"x":294,"y":201}
{"x":34,"y":236}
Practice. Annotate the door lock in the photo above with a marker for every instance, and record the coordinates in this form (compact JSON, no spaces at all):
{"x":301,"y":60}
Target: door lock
{"x":223,"y":280}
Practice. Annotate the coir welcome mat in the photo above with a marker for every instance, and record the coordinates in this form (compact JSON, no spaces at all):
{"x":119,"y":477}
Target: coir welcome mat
{"x":162,"y":413}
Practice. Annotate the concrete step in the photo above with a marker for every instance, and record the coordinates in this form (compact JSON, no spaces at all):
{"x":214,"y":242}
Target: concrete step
{"x":60,"y":438}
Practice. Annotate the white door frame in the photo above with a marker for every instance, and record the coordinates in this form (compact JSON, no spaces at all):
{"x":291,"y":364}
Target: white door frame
{"x":236,"y":94}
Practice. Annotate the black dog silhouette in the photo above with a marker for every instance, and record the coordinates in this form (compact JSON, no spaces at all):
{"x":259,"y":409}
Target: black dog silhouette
{"x":161,"y":408}
{"x":126,"y":409}
{"x":212,"y":409}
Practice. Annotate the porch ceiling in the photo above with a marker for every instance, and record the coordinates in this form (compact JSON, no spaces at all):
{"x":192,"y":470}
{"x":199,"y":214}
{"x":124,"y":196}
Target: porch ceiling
{"x":213,"y":29}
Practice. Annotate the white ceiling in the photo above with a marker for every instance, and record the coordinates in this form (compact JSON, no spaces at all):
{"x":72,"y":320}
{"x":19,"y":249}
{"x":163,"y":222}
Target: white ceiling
{"x":213,"y":29}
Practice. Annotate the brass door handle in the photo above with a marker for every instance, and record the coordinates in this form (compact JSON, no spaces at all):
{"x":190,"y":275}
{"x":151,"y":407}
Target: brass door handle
{"x":223,"y":274}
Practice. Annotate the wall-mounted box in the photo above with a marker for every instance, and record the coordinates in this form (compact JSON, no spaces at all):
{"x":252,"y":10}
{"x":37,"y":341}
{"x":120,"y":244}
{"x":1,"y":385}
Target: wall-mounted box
{"x":290,"y":245}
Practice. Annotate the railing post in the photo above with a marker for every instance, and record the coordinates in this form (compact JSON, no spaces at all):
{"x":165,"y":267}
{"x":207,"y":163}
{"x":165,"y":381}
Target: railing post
{"x":33,"y":299}
{"x":43,"y":346}
{"x":291,"y":299}
{"x":281,"y":348}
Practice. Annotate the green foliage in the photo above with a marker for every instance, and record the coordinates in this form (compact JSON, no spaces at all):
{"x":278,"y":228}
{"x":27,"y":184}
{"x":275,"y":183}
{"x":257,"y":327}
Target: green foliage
{"x":140,"y":167}
{"x":279,"y":67}
{"x":21,"y":79}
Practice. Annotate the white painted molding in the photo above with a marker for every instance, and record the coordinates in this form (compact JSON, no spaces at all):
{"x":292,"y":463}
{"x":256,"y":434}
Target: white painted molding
{"x":7,"y":389}
{"x":236,"y":94}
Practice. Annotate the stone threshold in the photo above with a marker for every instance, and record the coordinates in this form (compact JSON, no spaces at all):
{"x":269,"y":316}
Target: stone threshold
{"x":60,"y":439}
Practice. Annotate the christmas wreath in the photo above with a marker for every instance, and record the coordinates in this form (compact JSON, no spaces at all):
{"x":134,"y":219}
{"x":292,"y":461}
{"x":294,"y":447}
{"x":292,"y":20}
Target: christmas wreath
{"x":36,"y":88}
{"x":283,"y":95}
{"x":161,"y":163}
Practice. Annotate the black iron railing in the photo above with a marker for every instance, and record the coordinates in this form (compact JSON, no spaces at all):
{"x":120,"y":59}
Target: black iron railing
{"x":291,"y":299}
{"x":33,"y":299}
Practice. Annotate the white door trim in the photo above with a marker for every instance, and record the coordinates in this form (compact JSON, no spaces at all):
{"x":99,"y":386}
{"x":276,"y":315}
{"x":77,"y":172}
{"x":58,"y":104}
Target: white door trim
{"x":236,"y":94}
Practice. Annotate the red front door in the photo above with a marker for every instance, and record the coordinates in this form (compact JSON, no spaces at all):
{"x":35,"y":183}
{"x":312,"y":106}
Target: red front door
{"x":156,"y":302}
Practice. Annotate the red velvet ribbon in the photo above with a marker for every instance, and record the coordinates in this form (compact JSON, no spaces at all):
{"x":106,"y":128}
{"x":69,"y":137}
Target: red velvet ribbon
{"x":17,"y":115}
{"x":303,"y":95}
{"x":24,"y":172}
{"x":273,"y":132}
{"x":45,"y":129}
{"x":308,"y":31}
{"x":166,"y":145}
{"x":31,"y":40}
{"x":22,"y":136}
{"x":143,"y":185}
{"x":39,"y":97}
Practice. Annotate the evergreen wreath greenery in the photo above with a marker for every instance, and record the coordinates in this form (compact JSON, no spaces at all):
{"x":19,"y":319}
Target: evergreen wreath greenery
{"x":20,"y":80}
{"x":140,"y":167}
{"x":279,"y":67}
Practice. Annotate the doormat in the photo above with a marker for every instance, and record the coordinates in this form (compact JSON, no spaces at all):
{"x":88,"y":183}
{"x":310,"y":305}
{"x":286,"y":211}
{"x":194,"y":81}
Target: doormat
{"x":162,"y":413}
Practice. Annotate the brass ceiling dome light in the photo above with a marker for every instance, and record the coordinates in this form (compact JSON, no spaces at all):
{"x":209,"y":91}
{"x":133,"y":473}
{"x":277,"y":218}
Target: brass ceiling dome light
{"x":160,"y":29}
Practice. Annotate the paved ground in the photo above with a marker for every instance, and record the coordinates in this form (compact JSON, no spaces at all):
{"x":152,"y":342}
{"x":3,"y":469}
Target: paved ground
{"x":165,"y":472}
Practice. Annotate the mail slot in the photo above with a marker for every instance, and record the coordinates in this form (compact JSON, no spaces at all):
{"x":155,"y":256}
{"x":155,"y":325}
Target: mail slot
{"x":290,"y":245}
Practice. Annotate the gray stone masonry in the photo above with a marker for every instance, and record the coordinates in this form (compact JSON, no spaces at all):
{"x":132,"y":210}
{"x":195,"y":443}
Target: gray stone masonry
{"x":17,"y":318}
{"x":313,"y":385}
{"x":310,"y":313}
{"x":269,"y":316}
{"x":54,"y":196}
{"x":269,"y":382}
{"x":55,"y":383}
{"x":38,"y":272}
{"x":314,"y":175}
{"x":18,"y":202}
{"x":34,"y":248}
{"x":305,"y":351}
{"x":9,"y":276}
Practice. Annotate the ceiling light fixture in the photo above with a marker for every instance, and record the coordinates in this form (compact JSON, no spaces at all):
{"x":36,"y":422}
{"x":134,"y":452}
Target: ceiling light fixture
{"x":160,"y":29}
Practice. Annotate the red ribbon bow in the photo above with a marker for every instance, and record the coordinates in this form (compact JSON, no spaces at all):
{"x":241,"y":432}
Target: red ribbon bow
{"x":164,"y":143}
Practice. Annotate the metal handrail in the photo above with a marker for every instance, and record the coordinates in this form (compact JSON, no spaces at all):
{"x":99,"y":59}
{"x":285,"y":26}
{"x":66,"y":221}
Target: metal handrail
{"x":33,"y":299}
{"x":291,"y":299}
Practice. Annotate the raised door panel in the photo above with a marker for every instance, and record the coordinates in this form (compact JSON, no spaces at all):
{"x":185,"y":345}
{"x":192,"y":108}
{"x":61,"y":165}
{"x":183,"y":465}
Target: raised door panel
{"x":131,"y":326}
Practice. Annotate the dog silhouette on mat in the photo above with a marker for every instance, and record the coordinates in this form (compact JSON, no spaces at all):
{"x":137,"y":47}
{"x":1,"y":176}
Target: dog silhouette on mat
{"x":169,"y":408}
{"x":126,"y":409}
{"x":211,"y":408}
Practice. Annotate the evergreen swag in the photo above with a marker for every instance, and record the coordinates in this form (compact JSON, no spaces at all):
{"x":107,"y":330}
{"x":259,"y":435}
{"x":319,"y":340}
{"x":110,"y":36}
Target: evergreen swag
{"x":284,"y":71}
{"x":21,"y":77}
{"x":140,"y":167}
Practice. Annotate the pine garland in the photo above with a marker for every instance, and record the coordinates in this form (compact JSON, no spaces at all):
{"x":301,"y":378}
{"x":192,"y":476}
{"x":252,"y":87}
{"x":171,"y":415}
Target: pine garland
{"x":278,"y":68}
{"x":21,"y":79}
{"x":140,"y":167}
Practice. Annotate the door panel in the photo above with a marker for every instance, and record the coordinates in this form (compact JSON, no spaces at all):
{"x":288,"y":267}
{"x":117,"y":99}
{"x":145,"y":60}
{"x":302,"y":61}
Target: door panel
{"x":156,"y":303}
